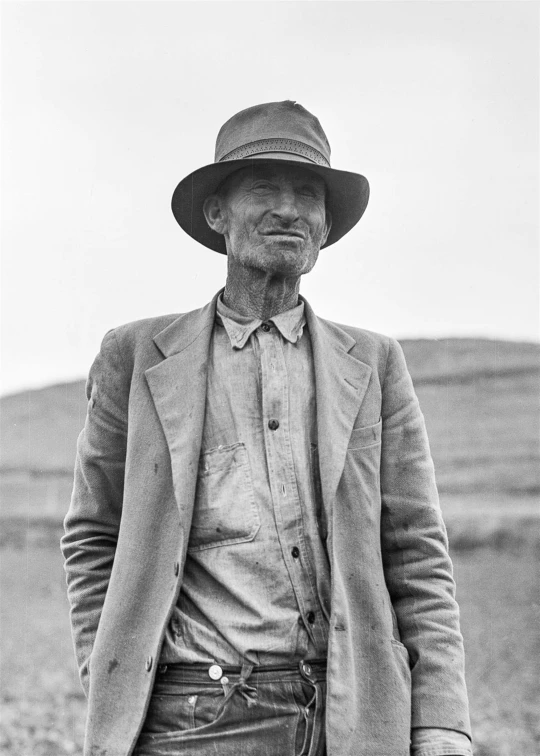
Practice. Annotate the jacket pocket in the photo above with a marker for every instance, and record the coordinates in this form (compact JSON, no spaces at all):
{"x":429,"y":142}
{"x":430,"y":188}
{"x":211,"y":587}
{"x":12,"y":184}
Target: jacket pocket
{"x":403,"y":654}
{"x":369,"y":435}
{"x":225,"y":512}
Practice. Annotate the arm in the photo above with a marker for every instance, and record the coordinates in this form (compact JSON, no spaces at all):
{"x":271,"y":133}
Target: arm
{"x":92,"y":522}
{"x":417,"y":567}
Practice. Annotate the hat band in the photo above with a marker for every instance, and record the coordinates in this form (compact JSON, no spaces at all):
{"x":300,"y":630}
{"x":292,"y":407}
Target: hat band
{"x":277,"y":145}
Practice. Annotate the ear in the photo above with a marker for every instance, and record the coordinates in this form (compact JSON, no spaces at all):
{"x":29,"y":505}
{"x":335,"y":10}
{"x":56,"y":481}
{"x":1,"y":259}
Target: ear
{"x":213,"y":212}
{"x":328,"y":226}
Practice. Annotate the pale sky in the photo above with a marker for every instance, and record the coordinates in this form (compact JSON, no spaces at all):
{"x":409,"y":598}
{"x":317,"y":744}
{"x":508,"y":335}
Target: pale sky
{"x":107,"y":105}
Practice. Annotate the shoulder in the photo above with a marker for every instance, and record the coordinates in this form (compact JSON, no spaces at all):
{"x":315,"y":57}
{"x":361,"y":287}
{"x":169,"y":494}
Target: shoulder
{"x":382,"y":353}
{"x":370,"y":340}
{"x":132,"y":343}
{"x":138,"y":332}
{"x":368,"y":346}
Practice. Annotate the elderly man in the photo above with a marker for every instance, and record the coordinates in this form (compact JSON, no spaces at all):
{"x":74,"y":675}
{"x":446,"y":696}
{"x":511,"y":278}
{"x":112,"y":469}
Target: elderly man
{"x":255,"y":554}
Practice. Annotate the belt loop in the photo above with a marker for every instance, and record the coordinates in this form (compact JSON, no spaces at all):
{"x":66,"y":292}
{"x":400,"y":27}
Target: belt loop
{"x":245,"y":672}
{"x":317,"y":731}
{"x":314,"y":724}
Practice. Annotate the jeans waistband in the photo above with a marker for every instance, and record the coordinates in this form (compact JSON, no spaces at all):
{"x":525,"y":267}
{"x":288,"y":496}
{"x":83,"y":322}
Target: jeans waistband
{"x":313,"y":670}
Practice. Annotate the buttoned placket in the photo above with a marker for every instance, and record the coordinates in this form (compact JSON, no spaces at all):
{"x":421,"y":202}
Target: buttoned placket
{"x":285,"y":496}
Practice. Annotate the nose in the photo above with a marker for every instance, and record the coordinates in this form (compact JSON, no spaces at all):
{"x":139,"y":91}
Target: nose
{"x":285,"y":206}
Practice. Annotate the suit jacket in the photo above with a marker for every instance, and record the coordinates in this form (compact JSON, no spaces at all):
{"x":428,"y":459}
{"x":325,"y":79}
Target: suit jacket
{"x":395,"y":656}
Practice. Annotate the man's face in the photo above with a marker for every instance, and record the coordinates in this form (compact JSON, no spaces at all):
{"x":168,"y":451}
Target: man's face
{"x":273,"y":218}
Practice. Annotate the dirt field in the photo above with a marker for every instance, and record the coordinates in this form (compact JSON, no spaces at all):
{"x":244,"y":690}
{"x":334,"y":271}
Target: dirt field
{"x":43,"y":708}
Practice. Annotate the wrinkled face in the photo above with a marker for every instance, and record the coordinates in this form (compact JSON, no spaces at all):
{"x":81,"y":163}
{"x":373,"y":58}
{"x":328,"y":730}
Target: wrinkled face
{"x":273,"y":218}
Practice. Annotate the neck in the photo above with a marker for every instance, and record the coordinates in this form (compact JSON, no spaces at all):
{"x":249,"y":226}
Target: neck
{"x":258,"y":294}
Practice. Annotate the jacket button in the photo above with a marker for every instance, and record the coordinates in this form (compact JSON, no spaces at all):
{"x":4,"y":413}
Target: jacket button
{"x":295,"y":551}
{"x":273,"y":424}
{"x":311,"y":617}
{"x":176,"y":569}
{"x":149,"y":663}
{"x":265,"y":327}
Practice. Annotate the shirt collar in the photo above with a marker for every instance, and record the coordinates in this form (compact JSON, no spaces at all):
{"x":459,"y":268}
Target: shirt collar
{"x":239,"y":328}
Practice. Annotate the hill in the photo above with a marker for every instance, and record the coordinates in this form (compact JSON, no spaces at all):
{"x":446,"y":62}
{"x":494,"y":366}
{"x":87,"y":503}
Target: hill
{"x":480,"y":399}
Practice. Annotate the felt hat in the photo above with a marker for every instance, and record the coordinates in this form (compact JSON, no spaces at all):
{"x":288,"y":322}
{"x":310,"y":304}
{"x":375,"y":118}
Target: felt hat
{"x":274,"y":131}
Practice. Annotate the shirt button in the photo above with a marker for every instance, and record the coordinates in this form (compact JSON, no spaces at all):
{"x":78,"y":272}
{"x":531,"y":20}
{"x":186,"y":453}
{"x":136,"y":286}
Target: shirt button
{"x":295,"y":551}
{"x":273,"y":424}
{"x":215,"y":672}
{"x":310,"y":617}
{"x":265,"y":327}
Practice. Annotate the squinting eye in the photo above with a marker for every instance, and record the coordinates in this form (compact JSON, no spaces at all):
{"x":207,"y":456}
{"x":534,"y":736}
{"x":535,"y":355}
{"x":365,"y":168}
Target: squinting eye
{"x":261,"y":187}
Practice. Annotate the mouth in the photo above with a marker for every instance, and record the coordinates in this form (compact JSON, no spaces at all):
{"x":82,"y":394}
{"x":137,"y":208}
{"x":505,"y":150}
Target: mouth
{"x":285,"y":234}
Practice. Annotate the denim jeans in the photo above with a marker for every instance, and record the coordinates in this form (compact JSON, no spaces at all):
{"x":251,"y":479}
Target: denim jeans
{"x":252,"y":711}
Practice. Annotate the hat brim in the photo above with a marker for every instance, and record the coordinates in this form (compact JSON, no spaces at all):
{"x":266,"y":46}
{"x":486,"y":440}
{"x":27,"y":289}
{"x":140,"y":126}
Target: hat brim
{"x":347,"y":197}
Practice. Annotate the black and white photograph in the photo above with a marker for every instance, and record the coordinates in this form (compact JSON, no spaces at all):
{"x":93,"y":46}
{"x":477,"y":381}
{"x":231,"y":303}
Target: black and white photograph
{"x":269,"y":378}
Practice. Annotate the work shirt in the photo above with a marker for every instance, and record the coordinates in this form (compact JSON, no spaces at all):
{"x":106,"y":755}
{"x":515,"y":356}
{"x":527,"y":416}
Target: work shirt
{"x":256,"y":582}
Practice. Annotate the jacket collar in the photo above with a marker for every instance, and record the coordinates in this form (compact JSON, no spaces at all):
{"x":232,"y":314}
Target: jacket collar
{"x":186,"y":329}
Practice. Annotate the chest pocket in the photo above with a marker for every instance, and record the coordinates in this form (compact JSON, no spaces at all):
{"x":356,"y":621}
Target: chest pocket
{"x":225,"y":511}
{"x":362,"y":438}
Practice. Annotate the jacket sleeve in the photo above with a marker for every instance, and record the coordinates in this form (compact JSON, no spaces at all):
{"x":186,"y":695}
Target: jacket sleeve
{"x":418,"y":570}
{"x":92,"y":522}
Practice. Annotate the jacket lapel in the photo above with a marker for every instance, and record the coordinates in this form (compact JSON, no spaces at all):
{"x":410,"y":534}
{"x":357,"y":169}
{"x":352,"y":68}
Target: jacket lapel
{"x":178,"y":388}
{"x":341,"y":382}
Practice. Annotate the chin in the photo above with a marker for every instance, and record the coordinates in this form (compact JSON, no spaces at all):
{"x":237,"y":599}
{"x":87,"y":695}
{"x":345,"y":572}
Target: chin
{"x":285,"y":257}
{"x":284,"y":263}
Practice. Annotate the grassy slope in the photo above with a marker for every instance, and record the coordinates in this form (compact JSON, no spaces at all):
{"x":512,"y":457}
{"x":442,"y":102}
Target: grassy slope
{"x":40,"y":427}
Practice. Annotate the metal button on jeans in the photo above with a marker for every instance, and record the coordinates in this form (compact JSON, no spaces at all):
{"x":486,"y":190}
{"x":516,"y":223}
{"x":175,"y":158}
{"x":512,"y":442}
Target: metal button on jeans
{"x":306,"y":668}
{"x":215,"y":672}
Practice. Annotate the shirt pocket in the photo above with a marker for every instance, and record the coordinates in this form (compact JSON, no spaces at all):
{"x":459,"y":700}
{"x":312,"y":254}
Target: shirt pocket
{"x":362,"y":438}
{"x":225,"y":511}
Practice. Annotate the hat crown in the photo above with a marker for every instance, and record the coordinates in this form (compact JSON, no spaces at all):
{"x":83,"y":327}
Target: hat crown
{"x":273,"y":127}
